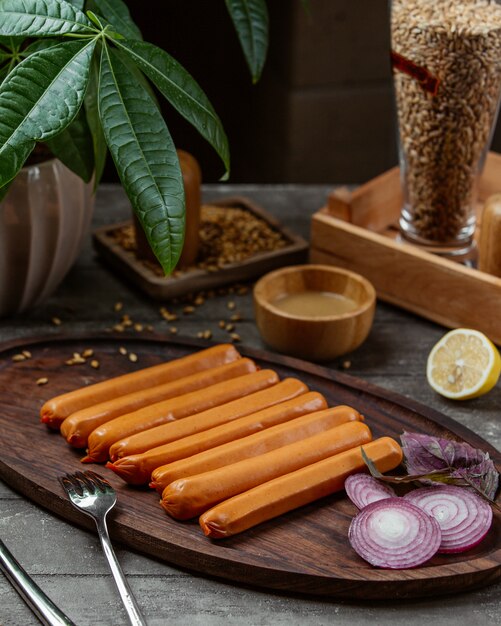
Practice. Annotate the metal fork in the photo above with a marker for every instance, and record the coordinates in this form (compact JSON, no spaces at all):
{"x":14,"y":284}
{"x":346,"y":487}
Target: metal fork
{"x":94,"y":495}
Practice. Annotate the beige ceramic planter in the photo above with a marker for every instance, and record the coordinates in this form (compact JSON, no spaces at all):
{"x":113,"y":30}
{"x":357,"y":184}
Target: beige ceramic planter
{"x":43,"y":221}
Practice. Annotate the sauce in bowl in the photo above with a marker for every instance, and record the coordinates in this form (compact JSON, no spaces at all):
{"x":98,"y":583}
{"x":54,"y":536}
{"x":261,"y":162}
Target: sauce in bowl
{"x":314,"y":303}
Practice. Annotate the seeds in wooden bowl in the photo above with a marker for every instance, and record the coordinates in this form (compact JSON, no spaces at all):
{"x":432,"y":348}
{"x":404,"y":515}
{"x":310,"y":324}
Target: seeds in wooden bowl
{"x":227,"y":235}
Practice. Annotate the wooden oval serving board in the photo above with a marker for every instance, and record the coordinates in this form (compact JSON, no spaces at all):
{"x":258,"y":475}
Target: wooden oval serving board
{"x":303,"y":551}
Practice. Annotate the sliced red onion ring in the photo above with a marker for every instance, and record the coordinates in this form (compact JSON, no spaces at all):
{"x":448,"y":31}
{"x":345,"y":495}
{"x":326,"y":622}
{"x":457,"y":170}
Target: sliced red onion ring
{"x":394,"y":533}
{"x":362,"y":489}
{"x":463,"y":516}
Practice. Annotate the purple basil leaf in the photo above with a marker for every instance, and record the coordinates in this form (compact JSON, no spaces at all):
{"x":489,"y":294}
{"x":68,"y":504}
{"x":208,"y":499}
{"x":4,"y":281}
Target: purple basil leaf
{"x":440,"y":475}
{"x":424,"y":454}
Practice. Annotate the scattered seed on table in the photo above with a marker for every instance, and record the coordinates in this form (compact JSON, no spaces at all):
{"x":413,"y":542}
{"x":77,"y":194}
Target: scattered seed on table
{"x":236,"y":317}
{"x":56,"y":321}
{"x":230,"y":327}
{"x":346,"y":365}
{"x":118,"y":306}
{"x":173,"y":330}
{"x":119,"y":328}
{"x":222,"y":324}
{"x":138,"y":327}
{"x":19,"y":357}
{"x":168,"y":315}
{"x":88,"y":353}
{"x":231,"y":305}
{"x":95,"y":364}
{"x":122,"y":350}
{"x":150,"y":328}
{"x":42,"y":381}
{"x":133,"y":357}
{"x":188,"y":309}
{"x":27,"y":354}
{"x":235,"y":337}
{"x":199,"y":300}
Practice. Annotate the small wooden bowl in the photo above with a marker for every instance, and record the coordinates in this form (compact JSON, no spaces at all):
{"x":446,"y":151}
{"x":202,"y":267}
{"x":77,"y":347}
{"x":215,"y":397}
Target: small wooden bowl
{"x":314,"y":338}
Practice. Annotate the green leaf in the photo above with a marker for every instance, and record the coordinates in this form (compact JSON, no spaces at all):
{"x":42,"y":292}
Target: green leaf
{"x":145,"y":157}
{"x":11,"y":43}
{"x":136,"y":72}
{"x":79,"y":4}
{"x":37,"y":45}
{"x":74,"y":147}
{"x":250,"y":18}
{"x":42,"y":18}
{"x":117,"y":14}
{"x":41,"y":96}
{"x":92,"y":110}
{"x":95,"y":20}
{"x":182,"y":91}
{"x":3,"y":72}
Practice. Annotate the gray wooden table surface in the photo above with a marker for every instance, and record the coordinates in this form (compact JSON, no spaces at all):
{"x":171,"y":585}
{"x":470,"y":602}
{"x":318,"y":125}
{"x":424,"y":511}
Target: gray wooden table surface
{"x":67,"y":562}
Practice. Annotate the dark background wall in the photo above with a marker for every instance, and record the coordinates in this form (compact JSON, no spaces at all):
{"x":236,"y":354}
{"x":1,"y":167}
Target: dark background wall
{"x":323,"y":110}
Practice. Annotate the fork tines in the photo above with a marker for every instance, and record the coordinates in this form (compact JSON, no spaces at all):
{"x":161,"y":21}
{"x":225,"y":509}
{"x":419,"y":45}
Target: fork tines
{"x":79,"y":480}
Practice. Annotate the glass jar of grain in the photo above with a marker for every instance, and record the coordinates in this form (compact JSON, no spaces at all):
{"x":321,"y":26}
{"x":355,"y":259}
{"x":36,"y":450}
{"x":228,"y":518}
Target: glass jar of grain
{"x":446,"y":57}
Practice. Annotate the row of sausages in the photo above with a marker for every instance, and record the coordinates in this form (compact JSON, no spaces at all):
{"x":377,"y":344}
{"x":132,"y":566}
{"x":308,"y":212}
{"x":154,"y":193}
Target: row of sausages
{"x":218,"y":437}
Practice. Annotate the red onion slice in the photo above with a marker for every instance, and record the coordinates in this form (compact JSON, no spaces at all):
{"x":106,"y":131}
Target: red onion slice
{"x":463,"y":516}
{"x":363,"y":489}
{"x":394,"y":533}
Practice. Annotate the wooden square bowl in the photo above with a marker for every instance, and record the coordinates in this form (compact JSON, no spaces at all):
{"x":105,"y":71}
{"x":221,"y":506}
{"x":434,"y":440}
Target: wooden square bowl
{"x":312,"y":337}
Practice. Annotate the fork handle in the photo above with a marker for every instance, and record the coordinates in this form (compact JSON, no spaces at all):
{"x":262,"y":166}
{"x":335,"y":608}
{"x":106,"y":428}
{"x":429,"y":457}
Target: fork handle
{"x":43,"y":607}
{"x":129,"y":602}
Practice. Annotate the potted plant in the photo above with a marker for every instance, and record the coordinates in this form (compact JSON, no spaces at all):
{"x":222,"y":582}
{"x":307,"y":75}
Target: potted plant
{"x":77,"y":78}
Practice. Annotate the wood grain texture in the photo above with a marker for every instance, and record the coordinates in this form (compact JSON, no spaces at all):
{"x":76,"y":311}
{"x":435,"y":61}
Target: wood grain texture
{"x":358,"y":232}
{"x":440,"y":290}
{"x":489,"y":242}
{"x":303,"y":551}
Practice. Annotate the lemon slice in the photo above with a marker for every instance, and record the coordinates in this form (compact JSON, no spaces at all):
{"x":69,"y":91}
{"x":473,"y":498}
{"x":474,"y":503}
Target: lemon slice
{"x":463,"y":364}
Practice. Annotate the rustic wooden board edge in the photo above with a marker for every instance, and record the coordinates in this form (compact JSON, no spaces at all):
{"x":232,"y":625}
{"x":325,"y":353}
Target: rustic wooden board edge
{"x":160,"y":288}
{"x":422,"y":583}
{"x":289,"y":583}
{"x":271,"y":580}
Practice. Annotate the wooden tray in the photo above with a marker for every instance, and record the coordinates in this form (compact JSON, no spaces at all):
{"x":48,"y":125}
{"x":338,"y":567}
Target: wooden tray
{"x":193,"y":280}
{"x":358,"y":231}
{"x":304,"y":551}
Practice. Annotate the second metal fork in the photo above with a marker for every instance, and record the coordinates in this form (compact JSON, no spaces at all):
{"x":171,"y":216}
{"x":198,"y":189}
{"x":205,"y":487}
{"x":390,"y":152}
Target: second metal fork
{"x":93,"y":495}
